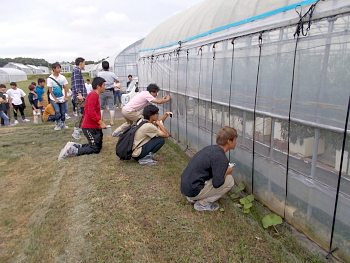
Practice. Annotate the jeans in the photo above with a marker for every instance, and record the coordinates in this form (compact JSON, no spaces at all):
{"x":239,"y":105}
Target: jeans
{"x":74,"y":106}
{"x":152,"y":146}
{"x":60,"y":110}
{"x":117,"y":93}
{"x":4,"y":117}
{"x":66,"y":107}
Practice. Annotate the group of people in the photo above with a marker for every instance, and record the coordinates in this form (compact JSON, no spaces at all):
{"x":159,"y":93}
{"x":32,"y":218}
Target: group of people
{"x":205,"y":179}
{"x":208,"y":174}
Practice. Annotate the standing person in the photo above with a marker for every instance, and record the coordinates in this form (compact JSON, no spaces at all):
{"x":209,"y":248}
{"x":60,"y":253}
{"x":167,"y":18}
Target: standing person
{"x":88,"y":86}
{"x":108,"y":97}
{"x":128,"y":82}
{"x":16,"y":100}
{"x":33,"y":100}
{"x":149,"y":138}
{"x":131,"y":111}
{"x":92,"y":124}
{"x":57,"y":88}
{"x":42,"y":98}
{"x":208,"y":174}
{"x":78,"y":94}
{"x":3,"y":109}
{"x":117,"y":94}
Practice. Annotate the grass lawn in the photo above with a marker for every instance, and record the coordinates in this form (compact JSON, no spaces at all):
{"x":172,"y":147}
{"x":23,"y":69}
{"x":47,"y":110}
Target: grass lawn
{"x":96,"y":208}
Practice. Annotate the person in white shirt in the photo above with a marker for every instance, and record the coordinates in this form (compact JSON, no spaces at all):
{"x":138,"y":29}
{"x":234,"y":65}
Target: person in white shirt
{"x":17,"y":101}
{"x":88,"y":86}
{"x":57,"y":85}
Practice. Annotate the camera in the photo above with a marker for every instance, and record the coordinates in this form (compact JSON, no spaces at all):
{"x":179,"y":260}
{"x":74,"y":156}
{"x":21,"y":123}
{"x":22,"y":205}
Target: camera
{"x":231,"y":164}
{"x":171,"y":115}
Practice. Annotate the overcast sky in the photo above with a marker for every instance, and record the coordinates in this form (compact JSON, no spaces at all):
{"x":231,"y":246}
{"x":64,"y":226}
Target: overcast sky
{"x":66,"y":29}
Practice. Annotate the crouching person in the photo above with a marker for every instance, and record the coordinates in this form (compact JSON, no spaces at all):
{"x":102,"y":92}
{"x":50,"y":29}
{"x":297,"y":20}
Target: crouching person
{"x":92,"y":124}
{"x":207,"y":176}
{"x":149,"y":138}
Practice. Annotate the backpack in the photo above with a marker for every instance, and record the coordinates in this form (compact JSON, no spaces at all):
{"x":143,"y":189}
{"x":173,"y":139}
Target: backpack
{"x":126,"y":140}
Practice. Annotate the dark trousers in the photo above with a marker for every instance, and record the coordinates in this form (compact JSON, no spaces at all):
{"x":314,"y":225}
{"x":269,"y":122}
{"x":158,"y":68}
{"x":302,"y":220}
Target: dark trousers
{"x":152,"y":146}
{"x":74,"y":106}
{"x":21,"y":110}
{"x":94,"y":145}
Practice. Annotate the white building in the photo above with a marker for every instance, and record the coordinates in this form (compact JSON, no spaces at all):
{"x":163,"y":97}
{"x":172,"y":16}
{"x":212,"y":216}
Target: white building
{"x":8,"y":75}
{"x":36,"y":70}
{"x":19,"y":66}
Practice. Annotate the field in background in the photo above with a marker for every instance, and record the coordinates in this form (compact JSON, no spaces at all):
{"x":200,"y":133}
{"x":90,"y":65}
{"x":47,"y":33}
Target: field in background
{"x":98,"y":209}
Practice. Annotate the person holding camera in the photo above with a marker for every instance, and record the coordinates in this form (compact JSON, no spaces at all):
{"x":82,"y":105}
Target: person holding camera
{"x":207,"y":176}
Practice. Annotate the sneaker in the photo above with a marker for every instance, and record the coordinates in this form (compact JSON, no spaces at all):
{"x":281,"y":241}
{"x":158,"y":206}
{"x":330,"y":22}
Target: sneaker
{"x":64,"y":126}
{"x":77,"y":145}
{"x":211,"y":206}
{"x":15,"y":122}
{"x":76,"y":134}
{"x":117,"y":132}
{"x":190,"y":200}
{"x":57,"y":127}
{"x":75,"y":114}
{"x":147,"y":160}
{"x":68,"y":151}
{"x":25,"y":120}
{"x":67,"y":116}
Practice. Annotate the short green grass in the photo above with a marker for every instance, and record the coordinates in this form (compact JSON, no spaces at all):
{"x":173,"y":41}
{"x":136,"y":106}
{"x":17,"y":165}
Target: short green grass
{"x":96,"y":208}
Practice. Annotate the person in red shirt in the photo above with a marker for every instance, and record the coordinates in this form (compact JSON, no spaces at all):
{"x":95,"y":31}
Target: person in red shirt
{"x":92,"y":124}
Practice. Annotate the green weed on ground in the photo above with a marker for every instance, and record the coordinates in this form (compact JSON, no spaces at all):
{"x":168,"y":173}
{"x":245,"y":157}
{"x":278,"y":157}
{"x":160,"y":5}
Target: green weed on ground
{"x":97,"y":208}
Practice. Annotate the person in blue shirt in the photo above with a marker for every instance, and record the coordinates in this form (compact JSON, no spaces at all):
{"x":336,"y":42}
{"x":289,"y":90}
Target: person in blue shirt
{"x":42,"y":98}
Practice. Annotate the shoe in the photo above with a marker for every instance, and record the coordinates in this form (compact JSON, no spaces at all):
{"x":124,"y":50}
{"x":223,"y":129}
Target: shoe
{"x":67,"y":116}
{"x":75,"y":114}
{"x":117,"y":132}
{"x":190,"y":200}
{"x":15,"y":122}
{"x":147,"y":160}
{"x":77,"y":145}
{"x":68,"y":151}
{"x":76,"y":134}
{"x":26,"y":120}
{"x":211,"y":206}
{"x":63,"y":125}
{"x":58,"y":126}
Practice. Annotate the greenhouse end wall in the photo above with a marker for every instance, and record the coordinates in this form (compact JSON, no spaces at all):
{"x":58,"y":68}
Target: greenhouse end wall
{"x":288,"y":99}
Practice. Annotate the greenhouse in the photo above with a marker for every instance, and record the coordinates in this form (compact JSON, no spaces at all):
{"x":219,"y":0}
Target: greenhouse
{"x":126,"y":62}
{"x":278,"y":72}
{"x":8,"y":75}
{"x":19,"y":66}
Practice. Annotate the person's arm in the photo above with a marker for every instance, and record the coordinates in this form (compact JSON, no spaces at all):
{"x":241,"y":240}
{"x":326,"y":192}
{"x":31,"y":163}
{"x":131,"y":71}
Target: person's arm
{"x":165,"y":116}
{"x":65,"y":92}
{"x":228,"y":171}
{"x":102,"y":124}
{"x":30,"y":98}
{"x":161,"y":100}
{"x":162,"y":131}
{"x":52,"y":94}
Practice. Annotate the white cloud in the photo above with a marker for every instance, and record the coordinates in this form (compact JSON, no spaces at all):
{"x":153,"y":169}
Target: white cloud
{"x":80,"y":22}
{"x":115,"y":17}
{"x":85,"y":10}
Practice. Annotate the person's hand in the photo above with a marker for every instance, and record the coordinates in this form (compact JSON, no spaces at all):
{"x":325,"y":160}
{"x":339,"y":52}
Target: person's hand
{"x":11,"y":106}
{"x":157,"y":123}
{"x":169,"y":113}
{"x":80,"y":97}
{"x":103,"y":125}
{"x":229,"y":170}
{"x":56,"y":100}
{"x":65,"y":99}
{"x":167,"y":97}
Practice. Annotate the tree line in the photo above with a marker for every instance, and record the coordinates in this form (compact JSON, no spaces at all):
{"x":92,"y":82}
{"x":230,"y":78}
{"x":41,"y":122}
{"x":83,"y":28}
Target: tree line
{"x":34,"y":61}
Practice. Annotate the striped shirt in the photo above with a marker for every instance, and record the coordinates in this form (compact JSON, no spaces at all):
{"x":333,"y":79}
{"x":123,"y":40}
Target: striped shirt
{"x":92,"y":111}
{"x":78,"y":83}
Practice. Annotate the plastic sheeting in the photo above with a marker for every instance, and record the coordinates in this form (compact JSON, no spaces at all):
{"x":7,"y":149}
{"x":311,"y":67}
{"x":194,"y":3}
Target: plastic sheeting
{"x":288,"y":99}
{"x":8,"y":75}
{"x":126,"y":62}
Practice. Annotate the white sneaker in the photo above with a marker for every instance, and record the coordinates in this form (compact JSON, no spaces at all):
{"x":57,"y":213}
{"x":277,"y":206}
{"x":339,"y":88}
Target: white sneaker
{"x":64,"y":126}
{"x":26,"y":120}
{"x":67,"y":117}
{"x":16,"y":122}
{"x":75,"y":114}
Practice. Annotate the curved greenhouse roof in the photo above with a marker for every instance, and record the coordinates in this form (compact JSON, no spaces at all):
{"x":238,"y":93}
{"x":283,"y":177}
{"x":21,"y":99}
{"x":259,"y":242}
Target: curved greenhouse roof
{"x":10,"y":74}
{"x":212,"y":19}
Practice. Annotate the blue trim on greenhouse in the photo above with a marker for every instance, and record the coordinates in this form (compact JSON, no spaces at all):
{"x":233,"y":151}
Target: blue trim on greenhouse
{"x":271,"y":13}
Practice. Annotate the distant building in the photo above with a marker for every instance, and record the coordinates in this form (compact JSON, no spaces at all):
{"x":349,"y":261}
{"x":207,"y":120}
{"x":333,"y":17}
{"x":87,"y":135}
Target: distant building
{"x":88,"y":68}
{"x":45,"y":70}
{"x":66,"y":67}
{"x":19,"y":66}
{"x":36,"y":70}
{"x":8,"y":75}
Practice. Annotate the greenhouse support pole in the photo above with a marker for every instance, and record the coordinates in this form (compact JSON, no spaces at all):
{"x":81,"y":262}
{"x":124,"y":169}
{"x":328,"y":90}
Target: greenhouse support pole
{"x":338,"y":185}
{"x":229,"y":101}
{"x":211,"y":97}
